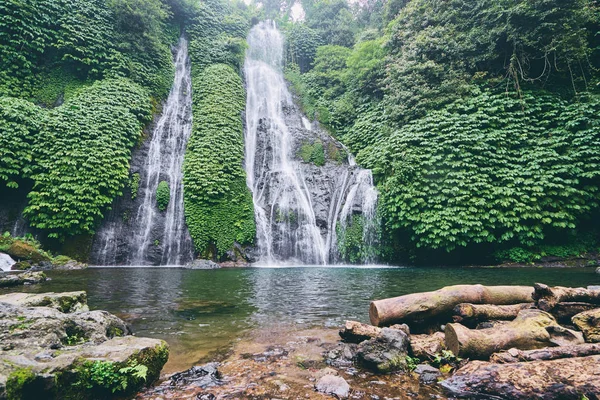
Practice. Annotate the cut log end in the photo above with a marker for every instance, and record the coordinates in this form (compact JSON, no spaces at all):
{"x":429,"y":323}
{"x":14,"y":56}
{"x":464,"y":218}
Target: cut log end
{"x":374,"y":314}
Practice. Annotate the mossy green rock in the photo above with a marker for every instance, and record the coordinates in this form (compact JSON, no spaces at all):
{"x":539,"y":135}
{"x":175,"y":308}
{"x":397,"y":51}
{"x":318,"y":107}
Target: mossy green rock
{"x":67,"y":302}
{"x":49,"y":354}
{"x":24,"y":251}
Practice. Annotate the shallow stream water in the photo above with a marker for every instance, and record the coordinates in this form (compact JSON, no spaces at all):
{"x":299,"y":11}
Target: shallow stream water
{"x":202,"y":312}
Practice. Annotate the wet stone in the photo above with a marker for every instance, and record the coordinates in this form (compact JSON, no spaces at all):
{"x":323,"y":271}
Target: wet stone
{"x":333,"y":385}
{"x":427,"y":373}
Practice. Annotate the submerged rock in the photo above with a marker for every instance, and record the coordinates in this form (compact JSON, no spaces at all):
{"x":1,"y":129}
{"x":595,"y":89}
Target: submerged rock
{"x":61,"y":351}
{"x":385,"y":353}
{"x":26,"y":278}
{"x":202,"y":376}
{"x":333,"y":385}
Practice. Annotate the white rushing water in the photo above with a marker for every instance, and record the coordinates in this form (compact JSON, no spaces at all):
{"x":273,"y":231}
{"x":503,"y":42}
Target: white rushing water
{"x":297,"y":205}
{"x":6,"y":262}
{"x":154,"y":235}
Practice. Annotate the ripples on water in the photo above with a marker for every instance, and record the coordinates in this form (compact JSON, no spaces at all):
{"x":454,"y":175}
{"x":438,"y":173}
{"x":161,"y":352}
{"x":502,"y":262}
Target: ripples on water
{"x":203,"y":311}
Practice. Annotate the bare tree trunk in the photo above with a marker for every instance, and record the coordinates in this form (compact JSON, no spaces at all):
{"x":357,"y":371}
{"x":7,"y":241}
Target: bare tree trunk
{"x":474,"y":313}
{"x":532,"y":329}
{"x":418,"y":307}
{"x":547,"y":353}
{"x":547,"y":297}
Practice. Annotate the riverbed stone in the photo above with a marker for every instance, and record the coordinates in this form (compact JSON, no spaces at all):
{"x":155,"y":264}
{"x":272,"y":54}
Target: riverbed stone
{"x":67,"y":302}
{"x":203,"y":376}
{"x":427,"y":373}
{"x":25,"y":278}
{"x":385,"y":353}
{"x":333,"y":385}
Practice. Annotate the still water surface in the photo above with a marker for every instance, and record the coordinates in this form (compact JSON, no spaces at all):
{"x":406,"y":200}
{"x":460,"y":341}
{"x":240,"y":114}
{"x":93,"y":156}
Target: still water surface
{"x":200,"y":312}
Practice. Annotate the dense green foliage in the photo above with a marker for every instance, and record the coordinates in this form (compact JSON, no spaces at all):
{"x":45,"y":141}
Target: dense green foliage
{"x":218,"y":205}
{"x":81,"y":156}
{"x":163,"y":195}
{"x":83,"y":40}
{"x":480,"y":120}
{"x":77,"y":155}
{"x":313,"y":153}
{"x":492,"y":169}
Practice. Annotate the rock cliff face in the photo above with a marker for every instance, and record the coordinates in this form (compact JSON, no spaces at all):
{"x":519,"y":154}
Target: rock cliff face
{"x":138,"y":230}
{"x":305,"y":186}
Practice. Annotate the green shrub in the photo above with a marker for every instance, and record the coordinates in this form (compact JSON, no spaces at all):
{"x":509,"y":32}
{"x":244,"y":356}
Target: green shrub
{"x":313,"y":153}
{"x":134,"y":185}
{"x":163,"y":195}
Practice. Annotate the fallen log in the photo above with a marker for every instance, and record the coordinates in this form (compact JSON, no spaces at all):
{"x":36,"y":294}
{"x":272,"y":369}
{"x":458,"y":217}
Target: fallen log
{"x":356,"y":332}
{"x":546,"y":297}
{"x":568,"y":378}
{"x":564,"y":312}
{"x":532,"y":329}
{"x":425,"y":347}
{"x":547,"y":353}
{"x":418,"y":307}
{"x":474,"y":313}
{"x":588,"y":322}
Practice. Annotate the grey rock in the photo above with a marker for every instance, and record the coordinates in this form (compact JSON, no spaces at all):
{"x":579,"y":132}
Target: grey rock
{"x":67,"y":302}
{"x":50,"y":342}
{"x":25,"y":278}
{"x":202,"y":264}
{"x":385,"y":353}
{"x":598,"y":270}
{"x":593,"y":287}
{"x":427,"y":373}
{"x":333,"y":385}
{"x":203,"y":376}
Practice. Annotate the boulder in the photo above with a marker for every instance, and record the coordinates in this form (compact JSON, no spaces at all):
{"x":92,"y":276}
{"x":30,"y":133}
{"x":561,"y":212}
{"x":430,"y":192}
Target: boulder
{"x":50,"y":354}
{"x":588,"y":322}
{"x":333,"y":385}
{"x":203,"y":376}
{"x":47,"y":328}
{"x":24,"y":251}
{"x":26,"y":278}
{"x":66,"y":302}
{"x":386,"y":352}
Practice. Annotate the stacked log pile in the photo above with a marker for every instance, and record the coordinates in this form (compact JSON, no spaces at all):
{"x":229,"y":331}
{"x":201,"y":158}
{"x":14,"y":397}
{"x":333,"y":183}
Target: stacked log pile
{"x":519,"y":342}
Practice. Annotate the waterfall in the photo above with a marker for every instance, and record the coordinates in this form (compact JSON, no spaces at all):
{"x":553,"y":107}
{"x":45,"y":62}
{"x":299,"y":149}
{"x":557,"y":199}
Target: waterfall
{"x":140,"y":233}
{"x":298,"y":204}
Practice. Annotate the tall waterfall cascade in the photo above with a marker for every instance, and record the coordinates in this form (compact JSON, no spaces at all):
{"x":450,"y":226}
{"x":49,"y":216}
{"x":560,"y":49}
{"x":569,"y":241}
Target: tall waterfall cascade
{"x":299,"y":206}
{"x":137,"y":232}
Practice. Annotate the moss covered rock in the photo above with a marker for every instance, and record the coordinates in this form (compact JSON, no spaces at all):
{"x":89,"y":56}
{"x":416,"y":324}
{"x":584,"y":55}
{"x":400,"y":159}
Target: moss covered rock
{"x":24,"y":251}
{"x":49,"y":354}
